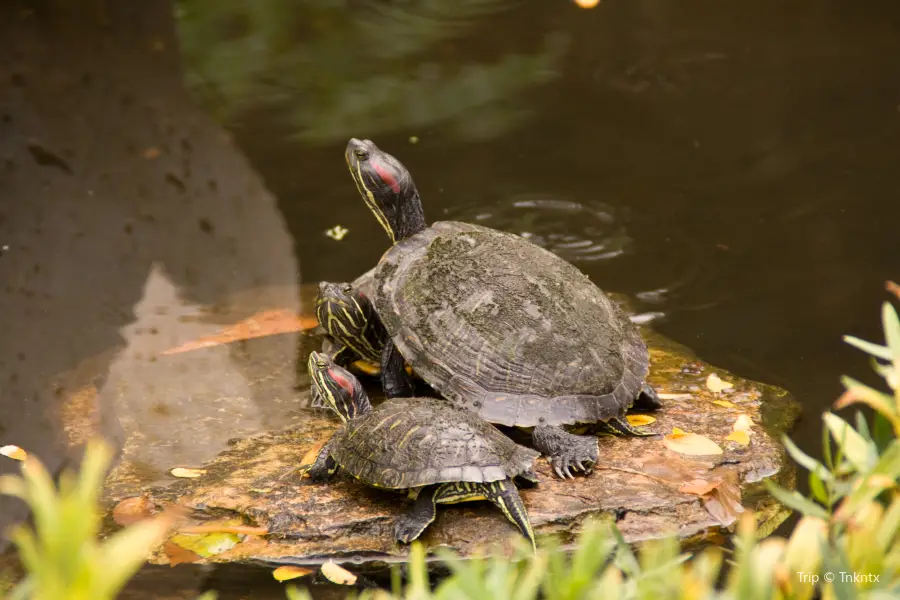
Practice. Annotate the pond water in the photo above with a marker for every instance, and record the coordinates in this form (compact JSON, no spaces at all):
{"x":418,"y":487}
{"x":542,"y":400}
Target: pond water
{"x":732,"y":169}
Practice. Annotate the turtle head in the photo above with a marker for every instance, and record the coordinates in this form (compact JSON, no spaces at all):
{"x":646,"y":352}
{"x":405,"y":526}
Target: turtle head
{"x":337,"y":387}
{"x":348,"y":316}
{"x":387,"y":187}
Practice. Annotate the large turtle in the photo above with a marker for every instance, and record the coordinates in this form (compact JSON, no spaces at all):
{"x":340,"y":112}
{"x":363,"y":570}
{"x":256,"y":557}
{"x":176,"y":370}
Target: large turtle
{"x":498,"y":324}
{"x":441,"y":453}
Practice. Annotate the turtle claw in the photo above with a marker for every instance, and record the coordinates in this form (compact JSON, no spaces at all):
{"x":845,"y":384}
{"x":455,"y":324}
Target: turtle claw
{"x":567,"y":451}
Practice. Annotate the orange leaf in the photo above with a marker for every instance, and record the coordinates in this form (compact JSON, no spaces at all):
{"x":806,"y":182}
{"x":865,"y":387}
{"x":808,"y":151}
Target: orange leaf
{"x":269,"y":322}
{"x":178,"y":555}
{"x":13,"y":452}
{"x":740,"y":436}
{"x":699,"y":487}
{"x":724,"y":502}
{"x":132,"y":510}
{"x":691,"y":444}
{"x":288,"y":572}
{"x":640,"y":420}
{"x":678,"y":432}
{"x":716,"y":384}
{"x":338,"y":574}
{"x":743,"y":423}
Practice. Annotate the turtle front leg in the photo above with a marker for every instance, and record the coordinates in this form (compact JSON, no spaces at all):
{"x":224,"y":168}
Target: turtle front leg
{"x":410,"y":525}
{"x":324,"y":467}
{"x":394,"y":379}
{"x":567,"y":451}
{"x":647,"y":399}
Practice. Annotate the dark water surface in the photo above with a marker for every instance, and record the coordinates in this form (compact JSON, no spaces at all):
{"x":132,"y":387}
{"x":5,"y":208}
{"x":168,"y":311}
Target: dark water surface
{"x":732,"y":167}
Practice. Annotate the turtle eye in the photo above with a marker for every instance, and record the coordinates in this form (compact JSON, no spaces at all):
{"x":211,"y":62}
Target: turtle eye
{"x":361,"y":153}
{"x":346,"y":288}
{"x":321,"y":364}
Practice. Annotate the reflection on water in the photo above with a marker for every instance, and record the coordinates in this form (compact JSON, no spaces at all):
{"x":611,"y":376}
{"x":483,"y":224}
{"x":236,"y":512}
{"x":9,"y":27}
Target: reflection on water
{"x":578,"y":232}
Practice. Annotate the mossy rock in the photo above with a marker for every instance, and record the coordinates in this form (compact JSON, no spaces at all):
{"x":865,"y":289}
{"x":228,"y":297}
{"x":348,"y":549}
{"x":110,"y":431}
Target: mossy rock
{"x":287,"y":519}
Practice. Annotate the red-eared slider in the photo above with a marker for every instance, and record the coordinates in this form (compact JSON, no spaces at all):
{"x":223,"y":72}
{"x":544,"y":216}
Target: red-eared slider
{"x":443,"y":453}
{"x":498,"y":324}
{"x":346,"y":314}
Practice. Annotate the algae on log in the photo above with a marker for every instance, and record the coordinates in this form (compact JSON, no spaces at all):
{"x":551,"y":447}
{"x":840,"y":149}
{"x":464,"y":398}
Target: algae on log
{"x":636,"y":482}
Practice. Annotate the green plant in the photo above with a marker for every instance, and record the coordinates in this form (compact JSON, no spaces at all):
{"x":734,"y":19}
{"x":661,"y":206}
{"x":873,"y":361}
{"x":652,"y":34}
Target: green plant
{"x":62,"y":556}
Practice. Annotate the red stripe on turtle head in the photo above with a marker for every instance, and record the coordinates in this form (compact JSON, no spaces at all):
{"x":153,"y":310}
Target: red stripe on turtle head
{"x":387,"y":176}
{"x":341,"y":381}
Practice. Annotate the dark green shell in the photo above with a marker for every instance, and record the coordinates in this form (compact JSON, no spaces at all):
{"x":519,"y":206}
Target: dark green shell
{"x":410,"y":442}
{"x":507,"y":329}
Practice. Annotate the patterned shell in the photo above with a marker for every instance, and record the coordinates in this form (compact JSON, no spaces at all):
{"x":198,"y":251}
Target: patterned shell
{"x":508,"y":329}
{"x":409,"y":442}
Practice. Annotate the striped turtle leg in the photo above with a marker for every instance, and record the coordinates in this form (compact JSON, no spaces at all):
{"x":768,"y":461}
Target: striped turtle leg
{"x":620,"y":426}
{"x":567,"y":452}
{"x":323,"y":468}
{"x":502,"y":493}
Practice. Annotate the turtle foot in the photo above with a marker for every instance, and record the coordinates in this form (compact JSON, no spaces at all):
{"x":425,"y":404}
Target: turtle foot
{"x":568,"y":452}
{"x":647,"y":399}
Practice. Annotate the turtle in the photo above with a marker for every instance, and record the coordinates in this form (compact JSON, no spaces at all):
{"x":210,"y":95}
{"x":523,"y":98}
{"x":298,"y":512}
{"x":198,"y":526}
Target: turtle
{"x":498,"y":324}
{"x":436,"y":451}
{"x":354,"y":330}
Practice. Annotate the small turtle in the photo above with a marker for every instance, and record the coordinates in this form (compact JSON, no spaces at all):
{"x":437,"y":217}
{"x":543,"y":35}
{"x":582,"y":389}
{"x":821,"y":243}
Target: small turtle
{"x":348,"y":317}
{"x":498,"y":324}
{"x":441,"y":453}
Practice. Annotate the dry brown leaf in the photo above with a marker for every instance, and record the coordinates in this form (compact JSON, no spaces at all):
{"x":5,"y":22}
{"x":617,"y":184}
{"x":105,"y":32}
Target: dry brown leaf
{"x":187,"y":473}
{"x":700,"y":487}
{"x":743,"y":423}
{"x":640,"y":420}
{"x":674,"y":396}
{"x":716,"y":384}
{"x":741,"y":437}
{"x":13,"y":452}
{"x":178,"y":555}
{"x":723,"y":403}
{"x":724,"y":502}
{"x":132,"y":510}
{"x":338,"y":574}
{"x":269,"y":322}
{"x":691,"y":444}
{"x":289,"y":572}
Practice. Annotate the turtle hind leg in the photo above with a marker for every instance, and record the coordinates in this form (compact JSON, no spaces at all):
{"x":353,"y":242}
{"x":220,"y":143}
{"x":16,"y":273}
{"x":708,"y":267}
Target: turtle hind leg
{"x":647,"y":399}
{"x":506,"y":497}
{"x":621,"y":427}
{"x":567,"y":451}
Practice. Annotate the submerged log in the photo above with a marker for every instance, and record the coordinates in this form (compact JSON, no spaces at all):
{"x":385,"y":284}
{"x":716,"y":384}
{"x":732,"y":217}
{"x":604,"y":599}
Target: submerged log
{"x":261,"y":510}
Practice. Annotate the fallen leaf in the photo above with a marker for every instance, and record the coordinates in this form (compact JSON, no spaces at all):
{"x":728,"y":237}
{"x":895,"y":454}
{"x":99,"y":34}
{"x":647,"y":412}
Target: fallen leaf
{"x":313,"y":453}
{"x":743,"y":423}
{"x":337,"y":233}
{"x":723,"y":403}
{"x":338,"y":574}
{"x":366,"y":367}
{"x":262,"y":324}
{"x":678,"y":432}
{"x":207,"y":544}
{"x":724,"y":502}
{"x":740,"y":436}
{"x":132,"y":510}
{"x":187,"y":473}
{"x":13,"y":452}
{"x":289,"y":572}
{"x":587,"y":3}
{"x":235,"y":529}
{"x":178,"y":555}
{"x":674,"y":396}
{"x":691,"y":444}
{"x":700,"y":487}
{"x":716,"y":384}
{"x":640,"y":420}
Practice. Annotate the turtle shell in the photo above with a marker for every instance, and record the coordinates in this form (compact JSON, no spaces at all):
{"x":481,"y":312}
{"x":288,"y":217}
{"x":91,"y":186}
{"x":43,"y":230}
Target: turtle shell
{"x":507,"y":329}
{"x":411,"y":442}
